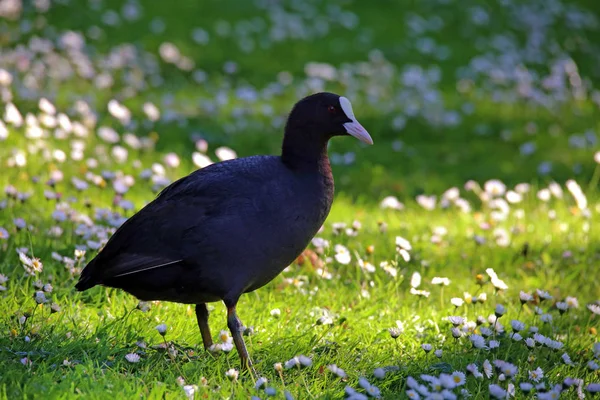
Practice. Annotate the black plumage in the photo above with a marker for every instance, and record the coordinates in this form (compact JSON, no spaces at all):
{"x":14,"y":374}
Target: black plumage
{"x":233,"y":226}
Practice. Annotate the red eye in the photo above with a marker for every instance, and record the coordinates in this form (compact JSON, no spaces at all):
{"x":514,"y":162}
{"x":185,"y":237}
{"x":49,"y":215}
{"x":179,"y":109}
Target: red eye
{"x":331,"y":109}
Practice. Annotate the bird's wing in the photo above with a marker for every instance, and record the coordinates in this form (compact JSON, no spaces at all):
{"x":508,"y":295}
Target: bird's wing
{"x":148,"y":240}
{"x":152,"y":237}
{"x":128,"y":264}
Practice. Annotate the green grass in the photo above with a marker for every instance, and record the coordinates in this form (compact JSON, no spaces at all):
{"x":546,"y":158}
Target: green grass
{"x":80,"y":351}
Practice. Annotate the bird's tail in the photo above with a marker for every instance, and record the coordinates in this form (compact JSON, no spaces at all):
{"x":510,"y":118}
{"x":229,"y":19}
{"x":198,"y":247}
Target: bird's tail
{"x":86,"y":280}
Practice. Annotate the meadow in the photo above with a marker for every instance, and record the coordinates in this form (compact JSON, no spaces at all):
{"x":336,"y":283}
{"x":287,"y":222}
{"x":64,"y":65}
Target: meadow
{"x":460,"y":258}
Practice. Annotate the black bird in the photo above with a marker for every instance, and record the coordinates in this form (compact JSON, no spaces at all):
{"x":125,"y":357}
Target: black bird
{"x":231,"y":227}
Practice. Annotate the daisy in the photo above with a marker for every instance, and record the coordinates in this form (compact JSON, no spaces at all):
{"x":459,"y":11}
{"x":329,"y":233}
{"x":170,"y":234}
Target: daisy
{"x":594,"y":387}
{"x":342,"y":255}
{"x":393,"y":272}
{"x":427,"y":202}
{"x":482,"y":298}
{"x":373,"y":391}
{"x":440,"y":281}
{"x":459,"y":378}
{"x":40,"y":297}
{"x":132,"y":357}
{"x":412,"y":382}
{"x":494,"y":187}
{"x":526,"y":386}
{"x":456,"y":321}
{"x":497,"y":391}
{"x":226,"y":347}
{"x":232,"y":374}
{"x":572,"y":302}
{"x":543,"y":295}
{"x":499,"y":310}
{"x":447,"y":381}
{"x":190,"y":391}
{"x":553,"y":394}
{"x":507,"y":368}
{"x":472,"y":368}
{"x":554,"y":344}
{"x":547,"y":318}
{"x":224,"y":337}
{"x":541,"y":339}
{"x":391,"y":202}
{"x":363,"y":383}
{"x":434,"y":383}
{"x":486,"y":331}
{"x":487,"y":369}
{"x":496,"y":282}
{"x":276,"y":312}
{"x":162,"y":329}
{"x":304,"y":361}
{"x":379,"y":373}
{"x":457,"y":301}
{"x":402,"y":243}
{"x":291,"y":363}
{"x":594,"y":308}
{"x":566,"y":359}
{"x":337,"y":371}
{"x":417,"y":292}
{"x":536,"y":374}
{"x":260,"y":382}
{"x":517,"y":326}
{"x":525,"y":297}
{"x":31,"y":265}
{"x":395,"y":332}
{"x":415,"y":280}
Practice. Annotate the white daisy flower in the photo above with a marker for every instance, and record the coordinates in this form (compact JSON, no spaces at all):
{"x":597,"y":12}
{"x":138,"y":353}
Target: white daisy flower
{"x":162,"y":329}
{"x":487,"y":369}
{"x":536,"y":374}
{"x":472,"y":368}
{"x":132,"y":357}
{"x":497,"y":391}
{"x":232,"y":374}
{"x":457,"y":301}
{"x":459,"y":378}
{"x":440,"y":281}
{"x":572,"y":302}
{"x":517,"y":326}
{"x":499,"y":310}
{"x":566,"y":359}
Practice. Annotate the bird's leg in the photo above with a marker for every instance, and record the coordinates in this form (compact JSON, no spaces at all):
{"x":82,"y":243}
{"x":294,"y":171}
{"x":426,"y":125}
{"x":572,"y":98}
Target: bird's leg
{"x":235,"y":326}
{"x":202,"y":316}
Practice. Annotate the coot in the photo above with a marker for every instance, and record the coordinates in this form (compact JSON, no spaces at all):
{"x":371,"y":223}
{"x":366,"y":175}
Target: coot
{"x":231,"y":227}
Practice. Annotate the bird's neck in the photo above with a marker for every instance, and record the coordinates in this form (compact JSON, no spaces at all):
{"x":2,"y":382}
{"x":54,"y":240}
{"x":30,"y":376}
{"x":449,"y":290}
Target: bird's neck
{"x":306,"y":153}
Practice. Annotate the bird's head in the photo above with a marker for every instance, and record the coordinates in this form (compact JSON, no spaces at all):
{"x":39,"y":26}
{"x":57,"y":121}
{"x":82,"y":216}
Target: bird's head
{"x":324,"y":115}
